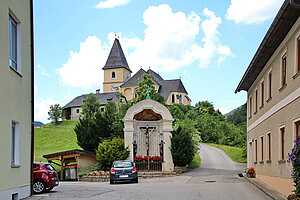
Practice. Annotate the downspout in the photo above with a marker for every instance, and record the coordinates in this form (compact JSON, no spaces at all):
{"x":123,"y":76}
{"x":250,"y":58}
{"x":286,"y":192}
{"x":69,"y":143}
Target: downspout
{"x":294,"y":4}
{"x":32,"y":94}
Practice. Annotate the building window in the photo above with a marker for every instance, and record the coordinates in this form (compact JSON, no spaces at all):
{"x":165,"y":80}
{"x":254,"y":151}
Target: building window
{"x":262,"y":147}
{"x":14,"y":43}
{"x":256,"y":100}
{"x":15,"y":144}
{"x":283,"y":70}
{"x":102,"y":109}
{"x":250,"y":107}
{"x":269,"y":145}
{"x":262,"y":89}
{"x":255,"y":143}
{"x":113,"y":75}
{"x":282,"y":130}
{"x":270,"y":85}
{"x":173,"y":98}
{"x":297,"y":129}
{"x":298,"y":54}
{"x":77,"y":110}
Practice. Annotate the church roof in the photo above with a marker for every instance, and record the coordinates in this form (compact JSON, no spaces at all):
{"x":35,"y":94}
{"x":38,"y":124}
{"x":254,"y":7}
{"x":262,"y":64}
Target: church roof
{"x":116,"y":57}
{"x":102,"y":97}
{"x":137,"y":77}
{"x":169,"y":86}
{"x":165,"y":86}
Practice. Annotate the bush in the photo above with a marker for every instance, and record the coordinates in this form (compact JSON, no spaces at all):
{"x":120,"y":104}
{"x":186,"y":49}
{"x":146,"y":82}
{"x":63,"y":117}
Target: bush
{"x":183,"y":148}
{"x":111,"y":150}
{"x":294,"y":158}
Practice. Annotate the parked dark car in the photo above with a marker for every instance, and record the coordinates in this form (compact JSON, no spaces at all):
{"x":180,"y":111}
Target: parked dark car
{"x":123,"y":170}
{"x":45,"y":177}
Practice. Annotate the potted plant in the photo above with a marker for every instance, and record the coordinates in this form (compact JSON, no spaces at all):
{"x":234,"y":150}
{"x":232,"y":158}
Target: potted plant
{"x":250,"y":172}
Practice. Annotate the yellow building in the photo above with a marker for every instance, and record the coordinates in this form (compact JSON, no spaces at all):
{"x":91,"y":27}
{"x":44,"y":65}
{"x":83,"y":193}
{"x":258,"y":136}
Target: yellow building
{"x":16,"y":83}
{"x":272,"y":81}
{"x":117,"y":78}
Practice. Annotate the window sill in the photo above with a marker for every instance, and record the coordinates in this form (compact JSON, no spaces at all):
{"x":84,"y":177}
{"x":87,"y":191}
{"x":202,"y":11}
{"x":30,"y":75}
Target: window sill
{"x":15,"y":165}
{"x":296,"y":75}
{"x":19,"y":73}
{"x":255,"y":162}
{"x":281,"y":161}
{"x":268,"y":161}
{"x":282,"y":88}
{"x":269,"y":99}
{"x":255,"y":113}
{"x":261,"y":106}
{"x":261,"y":162}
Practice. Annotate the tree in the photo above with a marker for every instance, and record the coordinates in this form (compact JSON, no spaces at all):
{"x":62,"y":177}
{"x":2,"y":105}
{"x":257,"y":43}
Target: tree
{"x":111,"y":150}
{"x":95,"y":126}
{"x":55,"y":113}
{"x":90,"y":106}
{"x":294,"y":158}
{"x":146,"y":86}
{"x":183,"y":147}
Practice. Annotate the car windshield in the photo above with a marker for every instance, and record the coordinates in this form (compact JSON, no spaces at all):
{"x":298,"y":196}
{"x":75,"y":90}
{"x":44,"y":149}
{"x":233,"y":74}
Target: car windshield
{"x":122,"y":164}
{"x":48,"y":166}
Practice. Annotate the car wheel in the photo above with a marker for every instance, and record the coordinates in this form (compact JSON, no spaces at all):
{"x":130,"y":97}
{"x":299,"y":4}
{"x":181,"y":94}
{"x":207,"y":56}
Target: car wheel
{"x":38,"y":187}
{"x":111,"y":181}
{"x":136,"y":180}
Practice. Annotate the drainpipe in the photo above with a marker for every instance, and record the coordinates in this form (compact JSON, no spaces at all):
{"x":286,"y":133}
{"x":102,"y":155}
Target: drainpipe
{"x":32,"y":93}
{"x":294,"y":4}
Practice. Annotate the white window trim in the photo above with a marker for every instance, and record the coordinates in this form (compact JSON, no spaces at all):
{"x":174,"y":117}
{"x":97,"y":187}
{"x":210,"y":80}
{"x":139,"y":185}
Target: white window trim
{"x":279,"y":140}
{"x":15,"y":148}
{"x":284,"y":53}
{"x":296,"y":53}
{"x":295,"y":120}
{"x":262,"y":148}
{"x":111,"y":75}
{"x":19,"y":52}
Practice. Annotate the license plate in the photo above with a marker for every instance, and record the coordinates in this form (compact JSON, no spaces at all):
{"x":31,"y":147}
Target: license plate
{"x":123,"y":176}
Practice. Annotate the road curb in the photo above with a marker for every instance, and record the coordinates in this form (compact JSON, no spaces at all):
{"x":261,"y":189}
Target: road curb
{"x":266,"y":189}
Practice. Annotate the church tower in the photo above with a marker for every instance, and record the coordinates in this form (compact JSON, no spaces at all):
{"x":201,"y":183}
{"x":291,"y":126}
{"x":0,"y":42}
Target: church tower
{"x":116,"y":69}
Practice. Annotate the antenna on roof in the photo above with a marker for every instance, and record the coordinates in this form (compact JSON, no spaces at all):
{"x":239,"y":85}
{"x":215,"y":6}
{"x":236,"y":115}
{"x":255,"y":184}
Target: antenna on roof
{"x":180,"y":77}
{"x":149,"y":67}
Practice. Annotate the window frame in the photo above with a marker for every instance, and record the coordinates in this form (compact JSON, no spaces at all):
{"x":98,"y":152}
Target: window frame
{"x":262,"y":93}
{"x":283,"y":70}
{"x":250,"y":107}
{"x":173,"y":98}
{"x":15,"y":144}
{"x":269,"y":146}
{"x":256,"y":101}
{"x":111,"y":75}
{"x":14,"y":61}
{"x":262,"y":147}
{"x":282,"y":143}
{"x":270,"y":85}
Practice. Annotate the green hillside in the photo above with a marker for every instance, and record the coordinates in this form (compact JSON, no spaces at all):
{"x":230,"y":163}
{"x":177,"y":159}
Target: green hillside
{"x":52,"y":138}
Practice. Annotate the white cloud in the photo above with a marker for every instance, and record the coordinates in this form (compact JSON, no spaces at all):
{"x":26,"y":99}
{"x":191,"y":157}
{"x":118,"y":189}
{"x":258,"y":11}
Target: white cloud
{"x":41,"y":107}
{"x":111,"y":3}
{"x":84,"y":68}
{"x":251,"y":12}
{"x":223,"y":110}
{"x":171,"y":40}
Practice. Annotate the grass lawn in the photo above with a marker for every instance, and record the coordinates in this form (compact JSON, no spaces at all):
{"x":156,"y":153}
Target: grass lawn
{"x":54,"y":139}
{"x":235,"y":153}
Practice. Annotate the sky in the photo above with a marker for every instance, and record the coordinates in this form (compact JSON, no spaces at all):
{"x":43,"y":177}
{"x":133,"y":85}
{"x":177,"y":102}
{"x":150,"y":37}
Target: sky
{"x":207,"y":44}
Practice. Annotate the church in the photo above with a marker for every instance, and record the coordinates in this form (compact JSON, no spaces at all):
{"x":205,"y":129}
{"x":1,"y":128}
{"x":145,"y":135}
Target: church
{"x":118,"y":79}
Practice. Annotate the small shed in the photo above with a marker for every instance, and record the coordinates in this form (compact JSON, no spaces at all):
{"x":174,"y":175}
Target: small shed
{"x":75,"y":159}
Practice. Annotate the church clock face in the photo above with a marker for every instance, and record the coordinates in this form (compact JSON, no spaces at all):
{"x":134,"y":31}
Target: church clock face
{"x":113,"y":88}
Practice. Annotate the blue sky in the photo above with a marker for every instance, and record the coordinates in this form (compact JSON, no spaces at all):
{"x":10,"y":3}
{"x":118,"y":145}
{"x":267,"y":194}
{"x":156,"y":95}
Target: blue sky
{"x":208,"y":44}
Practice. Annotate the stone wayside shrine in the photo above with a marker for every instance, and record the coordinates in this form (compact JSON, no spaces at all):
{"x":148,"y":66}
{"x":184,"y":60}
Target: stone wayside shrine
{"x":147,"y":133}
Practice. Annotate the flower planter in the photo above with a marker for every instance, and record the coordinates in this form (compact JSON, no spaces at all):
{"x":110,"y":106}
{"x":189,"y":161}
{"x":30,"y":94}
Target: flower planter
{"x":251,"y":175}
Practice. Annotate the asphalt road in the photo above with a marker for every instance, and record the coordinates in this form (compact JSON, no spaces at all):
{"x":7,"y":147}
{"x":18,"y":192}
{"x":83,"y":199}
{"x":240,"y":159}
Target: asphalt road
{"x":216,"y":179}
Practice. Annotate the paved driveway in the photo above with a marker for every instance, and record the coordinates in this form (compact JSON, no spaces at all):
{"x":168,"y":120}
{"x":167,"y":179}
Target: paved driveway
{"x":217,"y":179}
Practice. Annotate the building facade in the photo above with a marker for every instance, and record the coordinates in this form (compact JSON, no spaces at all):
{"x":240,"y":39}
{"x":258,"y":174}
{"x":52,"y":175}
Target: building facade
{"x":16,"y":83}
{"x":272,"y":82}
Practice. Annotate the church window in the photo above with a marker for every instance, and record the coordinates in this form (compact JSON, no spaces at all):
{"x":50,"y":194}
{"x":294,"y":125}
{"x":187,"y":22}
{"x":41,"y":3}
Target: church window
{"x":113,"y":75}
{"x":173,"y":98}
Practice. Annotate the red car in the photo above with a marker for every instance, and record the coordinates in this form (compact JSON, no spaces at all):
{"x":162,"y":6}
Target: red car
{"x":45,"y":178}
